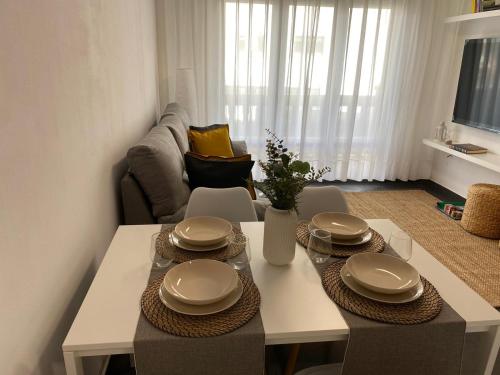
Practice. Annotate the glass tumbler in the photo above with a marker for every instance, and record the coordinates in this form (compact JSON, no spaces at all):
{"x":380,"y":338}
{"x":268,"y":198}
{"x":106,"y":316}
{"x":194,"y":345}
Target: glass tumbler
{"x":319,"y":246}
{"x":242,"y":260}
{"x":158,"y":259}
{"x":401,"y":243}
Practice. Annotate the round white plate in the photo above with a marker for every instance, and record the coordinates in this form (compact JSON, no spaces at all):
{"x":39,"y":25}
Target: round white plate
{"x":341,"y":226}
{"x":184,"y":308}
{"x":367,"y":236}
{"x":176,"y":241}
{"x":357,"y":241}
{"x":405,"y":297}
{"x":382,"y":273}
{"x":200,"y":281}
{"x":203,"y":230}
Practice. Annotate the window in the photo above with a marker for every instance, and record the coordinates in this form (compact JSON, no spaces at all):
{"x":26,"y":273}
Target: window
{"x":288,"y":67}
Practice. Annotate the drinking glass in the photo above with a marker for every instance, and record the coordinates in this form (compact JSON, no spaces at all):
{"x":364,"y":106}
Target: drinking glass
{"x":242,"y":260}
{"x":319,"y":246}
{"x":159,"y":260}
{"x":401,"y":243}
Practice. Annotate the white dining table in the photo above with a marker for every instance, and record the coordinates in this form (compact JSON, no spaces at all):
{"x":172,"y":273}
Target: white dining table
{"x":294,"y":307}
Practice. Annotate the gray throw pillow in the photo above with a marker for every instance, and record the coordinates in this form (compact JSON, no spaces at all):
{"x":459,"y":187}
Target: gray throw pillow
{"x":157,"y":164}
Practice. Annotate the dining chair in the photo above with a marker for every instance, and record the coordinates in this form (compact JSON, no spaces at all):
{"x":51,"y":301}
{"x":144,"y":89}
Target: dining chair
{"x":232,"y":204}
{"x":315,"y":199}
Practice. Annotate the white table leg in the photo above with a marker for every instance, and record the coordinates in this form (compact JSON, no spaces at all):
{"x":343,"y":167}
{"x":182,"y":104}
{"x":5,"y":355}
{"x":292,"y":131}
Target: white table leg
{"x":73,"y":363}
{"x":494,"y":338}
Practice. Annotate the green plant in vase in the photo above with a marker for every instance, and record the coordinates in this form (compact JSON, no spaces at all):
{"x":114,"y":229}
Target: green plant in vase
{"x":285,"y":178}
{"x":286,"y":175}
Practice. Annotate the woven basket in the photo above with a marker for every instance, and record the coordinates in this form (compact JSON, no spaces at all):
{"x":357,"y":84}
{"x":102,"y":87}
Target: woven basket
{"x":482,"y":211}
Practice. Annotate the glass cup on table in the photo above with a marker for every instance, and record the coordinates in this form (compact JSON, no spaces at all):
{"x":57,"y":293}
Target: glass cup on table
{"x":242,"y":260}
{"x":158,"y":258}
{"x":319,"y":245}
{"x":401,"y":243}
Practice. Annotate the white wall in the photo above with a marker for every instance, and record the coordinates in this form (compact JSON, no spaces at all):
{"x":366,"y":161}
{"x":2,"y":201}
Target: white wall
{"x":77,"y":87}
{"x":454,"y":173}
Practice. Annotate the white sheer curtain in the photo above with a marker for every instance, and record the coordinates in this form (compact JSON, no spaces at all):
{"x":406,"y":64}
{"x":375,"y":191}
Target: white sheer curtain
{"x":339,"y":80}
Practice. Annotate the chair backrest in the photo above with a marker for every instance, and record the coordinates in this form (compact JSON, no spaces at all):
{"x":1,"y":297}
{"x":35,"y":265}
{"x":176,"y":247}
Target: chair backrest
{"x":233,"y":204}
{"x":315,"y":199}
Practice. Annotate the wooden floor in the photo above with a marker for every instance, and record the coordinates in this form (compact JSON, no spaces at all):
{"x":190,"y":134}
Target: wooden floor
{"x":120,"y":364}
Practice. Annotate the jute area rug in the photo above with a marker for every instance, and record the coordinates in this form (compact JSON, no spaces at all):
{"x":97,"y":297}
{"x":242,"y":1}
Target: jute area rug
{"x":474,"y":259}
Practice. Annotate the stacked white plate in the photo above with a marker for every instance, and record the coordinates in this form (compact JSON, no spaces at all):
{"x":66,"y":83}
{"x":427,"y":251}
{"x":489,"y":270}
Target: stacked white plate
{"x":382,"y":278}
{"x":200,"y":287}
{"x":345,"y":229}
{"x":202,"y":233}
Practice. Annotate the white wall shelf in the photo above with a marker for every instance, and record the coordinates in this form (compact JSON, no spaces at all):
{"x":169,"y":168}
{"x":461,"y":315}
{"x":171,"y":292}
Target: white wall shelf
{"x":473,"y":16}
{"x":488,"y":160}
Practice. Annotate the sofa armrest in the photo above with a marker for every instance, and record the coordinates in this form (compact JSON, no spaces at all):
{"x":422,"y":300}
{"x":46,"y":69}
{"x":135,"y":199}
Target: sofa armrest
{"x":136,"y":207}
{"x":239,"y":148}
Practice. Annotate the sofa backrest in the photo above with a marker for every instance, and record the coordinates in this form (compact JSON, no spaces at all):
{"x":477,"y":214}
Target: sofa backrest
{"x":178,"y":129}
{"x":158,"y":165}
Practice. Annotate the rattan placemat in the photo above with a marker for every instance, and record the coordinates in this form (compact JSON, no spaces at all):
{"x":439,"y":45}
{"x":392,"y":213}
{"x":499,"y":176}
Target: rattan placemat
{"x":167,"y":249}
{"x":375,"y":245}
{"x":426,"y":308}
{"x":200,"y":326}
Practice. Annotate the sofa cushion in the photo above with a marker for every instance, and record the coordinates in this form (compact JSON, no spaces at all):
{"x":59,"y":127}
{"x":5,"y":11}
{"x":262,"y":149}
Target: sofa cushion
{"x":175,"y":218}
{"x":211,"y":140}
{"x":179,"y":131}
{"x":157,"y":164}
{"x":219,"y":172}
{"x":239,"y":148}
{"x":204,"y":170}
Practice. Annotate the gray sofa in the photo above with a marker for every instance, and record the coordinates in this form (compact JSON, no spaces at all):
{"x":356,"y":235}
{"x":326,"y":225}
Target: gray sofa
{"x":155,"y":188}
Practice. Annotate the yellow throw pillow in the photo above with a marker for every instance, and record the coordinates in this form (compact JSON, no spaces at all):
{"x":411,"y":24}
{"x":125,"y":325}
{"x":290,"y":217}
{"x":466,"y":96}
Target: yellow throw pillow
{"x":211,"y":140}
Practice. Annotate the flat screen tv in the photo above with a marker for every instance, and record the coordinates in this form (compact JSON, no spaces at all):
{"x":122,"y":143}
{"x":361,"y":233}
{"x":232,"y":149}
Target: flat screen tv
{"x":477,"y":103}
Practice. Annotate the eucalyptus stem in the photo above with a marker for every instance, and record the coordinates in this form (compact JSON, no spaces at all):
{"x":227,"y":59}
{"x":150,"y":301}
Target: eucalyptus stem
{"x":286,"y":175}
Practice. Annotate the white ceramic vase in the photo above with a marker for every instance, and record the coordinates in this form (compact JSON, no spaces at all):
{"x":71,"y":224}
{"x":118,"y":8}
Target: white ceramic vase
{"x":279,"y":236}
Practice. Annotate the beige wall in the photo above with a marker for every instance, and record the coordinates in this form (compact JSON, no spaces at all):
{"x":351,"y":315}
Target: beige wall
{"x":77,"y":87}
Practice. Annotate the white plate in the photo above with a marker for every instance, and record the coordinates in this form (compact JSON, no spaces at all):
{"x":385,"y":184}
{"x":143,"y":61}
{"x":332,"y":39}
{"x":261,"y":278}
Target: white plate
{"x":405,"y":297}
{"x":184,"y":308}
{"x":382,"y":273}
{"x":176,"y":241}
{"x":367,"y":236}
{"x":200,"y":281}
{"x":341,"y":226}
{"x":357,"y":241}
{"x":203,"y":230}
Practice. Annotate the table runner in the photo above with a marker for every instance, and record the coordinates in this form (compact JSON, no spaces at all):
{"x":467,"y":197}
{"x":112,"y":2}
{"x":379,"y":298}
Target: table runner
{"x":237,"y":352}
{"x":434,"y":347}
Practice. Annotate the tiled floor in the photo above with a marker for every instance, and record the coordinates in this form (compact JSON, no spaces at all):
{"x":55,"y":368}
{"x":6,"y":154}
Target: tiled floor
{"x":429,"y":186}
{"x":120,"y":364}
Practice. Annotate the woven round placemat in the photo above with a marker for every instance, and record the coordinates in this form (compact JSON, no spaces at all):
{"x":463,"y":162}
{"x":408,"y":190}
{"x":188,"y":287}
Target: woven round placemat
{"x":426,"y":308}
{"x":168,"y":250}
{"x":375,"y":245}
{"x":200,"y":326}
